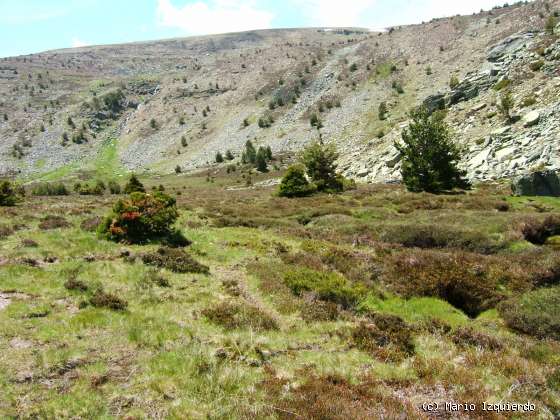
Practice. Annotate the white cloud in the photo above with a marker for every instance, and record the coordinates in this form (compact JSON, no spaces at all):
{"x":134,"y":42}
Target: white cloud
{"x":334,"y":13}
{"x":77,"y":43}
{"x":216,"y":16}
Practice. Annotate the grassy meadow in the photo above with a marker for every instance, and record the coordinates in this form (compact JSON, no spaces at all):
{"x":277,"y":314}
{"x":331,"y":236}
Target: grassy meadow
{"x":359,"y":305}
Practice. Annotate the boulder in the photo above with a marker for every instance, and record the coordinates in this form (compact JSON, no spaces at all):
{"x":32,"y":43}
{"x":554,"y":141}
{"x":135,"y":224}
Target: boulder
{"x":531,"y":119}
{"x":541,"y":183}
{"x":435,"y":102}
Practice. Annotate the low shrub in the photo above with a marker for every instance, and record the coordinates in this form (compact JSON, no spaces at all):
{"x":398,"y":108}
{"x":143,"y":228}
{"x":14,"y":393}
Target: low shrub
{"x":8,"y":194}
{"x":49,"y":189}
{"x":5,"y":231}
{"x":175,"y":260}
{"x":440,"y":236}
{"x":233,"y":315}
{"x":327,"y":286}
{"x":334,"y":398}
{"x":74,"y":284}
{"x":101,"y":299}
{"x":468,"y":336}
{"x":537,"y":232}
{"x":386,"y":331}
{"x":140,"y":218}
{"x":466,"y":281}
{"x":91,"y":224}
{"x":317,"y":310}
{"x":535,"y":313}
{"x":53,"y":222}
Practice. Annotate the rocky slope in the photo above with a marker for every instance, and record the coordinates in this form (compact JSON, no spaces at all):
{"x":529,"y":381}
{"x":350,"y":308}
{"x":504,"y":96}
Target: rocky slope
{"x":153,"y":106}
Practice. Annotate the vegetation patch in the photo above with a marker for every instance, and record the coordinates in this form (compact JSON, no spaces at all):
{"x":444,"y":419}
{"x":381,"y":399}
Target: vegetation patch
{"x":387,"y":337}
{"x":468,"y":336}
{"x":537,"y":232}
{"x":102,"y":299}
{"x":140,"y":218}
{"x":233,"y":315}
{"x":327,"y":286}
{"x":459,"y":278}
{"x":335,"y":398}
{"x":53,"y":222}
{"x":176,"y":260}
{"x":440,"y":236}
{"x":535,"y":313}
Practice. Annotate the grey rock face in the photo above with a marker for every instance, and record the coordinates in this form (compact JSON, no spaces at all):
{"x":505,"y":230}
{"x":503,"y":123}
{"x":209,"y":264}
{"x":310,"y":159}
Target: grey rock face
{"x":542,"y":183}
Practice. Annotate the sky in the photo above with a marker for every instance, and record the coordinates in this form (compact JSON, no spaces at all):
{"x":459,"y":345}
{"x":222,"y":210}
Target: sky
{"x":31,"y":26}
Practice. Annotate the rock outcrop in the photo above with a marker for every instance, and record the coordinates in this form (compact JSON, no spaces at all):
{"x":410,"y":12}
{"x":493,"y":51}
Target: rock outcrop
{"x":542,"y":183}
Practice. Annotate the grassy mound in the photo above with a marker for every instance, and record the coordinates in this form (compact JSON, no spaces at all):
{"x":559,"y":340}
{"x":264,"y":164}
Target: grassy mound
{"x":536,"y":313}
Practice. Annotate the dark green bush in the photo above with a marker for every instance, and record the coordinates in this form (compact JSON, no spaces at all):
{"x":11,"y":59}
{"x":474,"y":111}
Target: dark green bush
{"x":133,"y":185}
{"x":535,"y":313}
{"x":49,"y":189}
{"x":140,"y":218}
{"x":295,"y":184}
{"x":319,"y":161}
{"x":8,"y":194}
{"x":114,"y":187}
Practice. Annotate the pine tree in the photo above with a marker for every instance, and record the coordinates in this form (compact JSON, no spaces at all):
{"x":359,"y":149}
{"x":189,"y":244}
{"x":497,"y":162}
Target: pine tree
{"x":261,"y":160}
{"x":319,"y":161}
{"x":295,"y":184}
{"x":268,"y":151}
{"x":429,"y":157}
{"x":219,"y":158}
{"x":133,"y":185}
{"x":229,"y":155}
{"x":250,"y":152}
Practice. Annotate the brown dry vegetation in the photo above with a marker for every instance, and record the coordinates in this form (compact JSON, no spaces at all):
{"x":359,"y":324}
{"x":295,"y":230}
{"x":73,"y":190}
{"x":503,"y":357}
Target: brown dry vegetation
{"x":304,"y":308}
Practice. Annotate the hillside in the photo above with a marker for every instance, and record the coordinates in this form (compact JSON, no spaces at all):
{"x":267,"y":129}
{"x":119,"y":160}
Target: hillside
{"x":194,"y":289}
{"x":153,"y":106}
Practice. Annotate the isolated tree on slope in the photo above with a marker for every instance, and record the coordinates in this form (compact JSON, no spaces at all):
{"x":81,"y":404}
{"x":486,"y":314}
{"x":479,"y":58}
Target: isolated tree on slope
{"x":429,"y":157}
{"x":319,"y":161}
{"x":134,"y":185}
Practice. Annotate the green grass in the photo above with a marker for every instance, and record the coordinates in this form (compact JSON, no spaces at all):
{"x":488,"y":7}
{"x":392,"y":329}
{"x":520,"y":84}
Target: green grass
{"x":161,"y":357}
{"x":416,"y":309}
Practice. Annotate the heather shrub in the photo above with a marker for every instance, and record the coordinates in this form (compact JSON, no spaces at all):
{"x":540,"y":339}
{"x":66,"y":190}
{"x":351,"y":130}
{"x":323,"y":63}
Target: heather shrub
{"x":140,"y":218}
{"x":101,"y":299}
{"x":440,"y":236}
{"x":175,"y":260}
{"x":335,"y":398}
{"x":463,"y":280}
{"x":233,"y":315}
{"x":53,"y":222}
{"x":535,"y":313}
{"x":537,"y":232}
{"x":388,"y":332}
{"x":467,"y":336}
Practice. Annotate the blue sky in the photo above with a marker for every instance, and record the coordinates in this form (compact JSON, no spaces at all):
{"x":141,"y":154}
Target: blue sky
{"x":28,"y":26}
